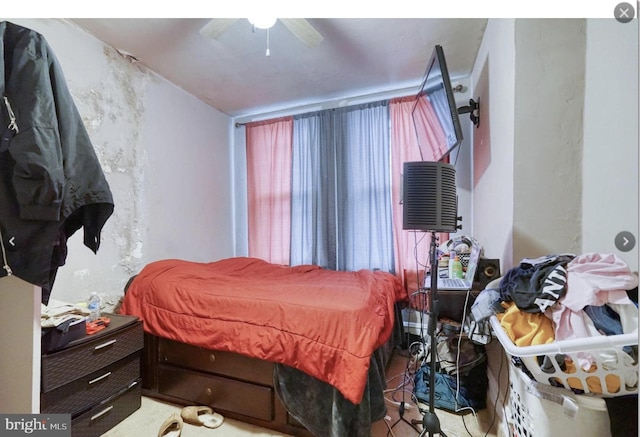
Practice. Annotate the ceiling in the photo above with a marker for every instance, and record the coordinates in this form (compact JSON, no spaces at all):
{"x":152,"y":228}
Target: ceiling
{"x":357,"y":57}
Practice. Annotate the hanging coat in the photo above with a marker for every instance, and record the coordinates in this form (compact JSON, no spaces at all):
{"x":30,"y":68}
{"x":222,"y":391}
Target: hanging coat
{"x":51,"y":183}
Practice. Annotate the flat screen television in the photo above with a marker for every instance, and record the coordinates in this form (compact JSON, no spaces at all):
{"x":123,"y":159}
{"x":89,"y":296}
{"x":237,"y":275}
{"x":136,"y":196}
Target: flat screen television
{"x":434,"y":113}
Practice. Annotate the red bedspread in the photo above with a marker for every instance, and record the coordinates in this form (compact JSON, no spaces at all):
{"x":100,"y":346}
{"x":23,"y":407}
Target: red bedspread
{"x":323,"y":322}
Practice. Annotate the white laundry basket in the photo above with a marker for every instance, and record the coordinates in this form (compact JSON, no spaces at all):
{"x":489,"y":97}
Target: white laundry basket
{"x":540,"y":410}
{"x":614,"y":372}
{"x":547,"y":404}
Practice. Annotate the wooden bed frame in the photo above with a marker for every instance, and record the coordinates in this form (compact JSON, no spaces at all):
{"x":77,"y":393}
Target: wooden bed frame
{"x":236,"y":386}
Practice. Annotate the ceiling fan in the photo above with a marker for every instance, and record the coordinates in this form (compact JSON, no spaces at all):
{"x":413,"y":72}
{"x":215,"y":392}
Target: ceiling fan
{"x":300,"y":27}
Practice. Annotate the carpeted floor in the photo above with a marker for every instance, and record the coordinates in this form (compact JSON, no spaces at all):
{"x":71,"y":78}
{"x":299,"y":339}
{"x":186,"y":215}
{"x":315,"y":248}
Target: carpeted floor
{"x":147,"y":420}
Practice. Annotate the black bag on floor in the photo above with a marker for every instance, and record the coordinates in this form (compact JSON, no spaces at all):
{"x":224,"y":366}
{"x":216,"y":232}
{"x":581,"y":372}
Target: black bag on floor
{"x":472,"y":392}
{"x":471,"y":372}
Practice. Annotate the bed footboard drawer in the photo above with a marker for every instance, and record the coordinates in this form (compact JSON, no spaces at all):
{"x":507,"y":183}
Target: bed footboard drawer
{"x":220,"y":393}
{"x":218,"y":362}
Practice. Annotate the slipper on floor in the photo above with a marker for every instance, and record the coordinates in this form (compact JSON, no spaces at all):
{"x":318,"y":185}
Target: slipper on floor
{"x":172,"y":427}
{"x":204,"y":416}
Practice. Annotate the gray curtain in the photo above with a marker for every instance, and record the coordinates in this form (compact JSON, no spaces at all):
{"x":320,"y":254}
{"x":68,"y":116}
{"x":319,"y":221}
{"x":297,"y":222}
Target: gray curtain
{"x":341,"y":195}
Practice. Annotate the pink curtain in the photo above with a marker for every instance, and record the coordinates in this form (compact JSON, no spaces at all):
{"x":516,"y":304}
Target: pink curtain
{"x":411,"y":247}
{"x":269,"y":148}
{"x":433,"y":139}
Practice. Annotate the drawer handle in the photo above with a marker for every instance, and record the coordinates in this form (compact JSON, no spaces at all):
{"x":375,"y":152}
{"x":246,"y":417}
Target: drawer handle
{"x":212,"y":358}
{"x":208,"y":391}
{"x":102,"y":413}
{"x":103,"y":345}
{"x":100,"y":378}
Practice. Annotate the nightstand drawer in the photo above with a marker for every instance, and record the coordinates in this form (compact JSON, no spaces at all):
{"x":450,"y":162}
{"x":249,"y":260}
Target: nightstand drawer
{"x":77,"y":396}
{"x":108,"y":413}
{"x":86,"y":357}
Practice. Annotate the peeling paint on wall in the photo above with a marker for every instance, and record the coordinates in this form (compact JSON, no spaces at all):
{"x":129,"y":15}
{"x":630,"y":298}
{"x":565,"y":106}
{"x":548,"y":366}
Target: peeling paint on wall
{"x":114,"y":94}
{"x":112,"y":111}
{"x":81,"y":274}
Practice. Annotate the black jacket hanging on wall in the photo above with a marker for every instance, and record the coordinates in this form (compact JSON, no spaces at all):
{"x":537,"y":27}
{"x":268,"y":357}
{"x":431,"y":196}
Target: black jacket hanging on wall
{"x":51,"y":183}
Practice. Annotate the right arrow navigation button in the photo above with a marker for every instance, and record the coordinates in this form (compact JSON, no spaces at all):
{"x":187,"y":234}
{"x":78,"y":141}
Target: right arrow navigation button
{"x":625,"y":241}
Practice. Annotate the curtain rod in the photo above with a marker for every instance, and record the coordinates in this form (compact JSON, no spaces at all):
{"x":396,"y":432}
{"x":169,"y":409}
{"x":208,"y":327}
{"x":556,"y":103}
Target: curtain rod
{"x":338,"y":103}
{"x":329,"y":104}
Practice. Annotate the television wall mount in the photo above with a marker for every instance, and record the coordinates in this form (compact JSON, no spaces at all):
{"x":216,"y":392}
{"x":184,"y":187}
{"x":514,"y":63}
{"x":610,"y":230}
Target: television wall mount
{"x":473,"y":109}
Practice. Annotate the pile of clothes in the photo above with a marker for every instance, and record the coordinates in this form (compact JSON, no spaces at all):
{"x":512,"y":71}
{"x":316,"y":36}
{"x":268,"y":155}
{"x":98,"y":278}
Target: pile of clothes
{"x":61,"y":324}
{"x":565,"y":297}
{"x":568,"y":297}
{"x":583,"y":295}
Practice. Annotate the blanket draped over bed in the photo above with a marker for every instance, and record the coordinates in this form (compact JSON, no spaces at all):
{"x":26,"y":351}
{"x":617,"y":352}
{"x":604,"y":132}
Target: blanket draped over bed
{"x":323,"y":410}
{"x":324,"y":323}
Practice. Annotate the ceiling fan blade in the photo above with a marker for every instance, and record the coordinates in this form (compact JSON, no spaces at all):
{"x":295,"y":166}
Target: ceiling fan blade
{"x":216,"y":27}
{"x":303,"y":30}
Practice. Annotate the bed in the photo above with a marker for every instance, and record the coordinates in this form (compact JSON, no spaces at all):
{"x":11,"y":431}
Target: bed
{"x":299,"y":349}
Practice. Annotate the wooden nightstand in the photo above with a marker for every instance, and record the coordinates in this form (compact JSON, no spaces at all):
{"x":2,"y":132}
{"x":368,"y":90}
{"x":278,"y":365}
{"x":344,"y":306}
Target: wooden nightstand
{"x":96,"y":378}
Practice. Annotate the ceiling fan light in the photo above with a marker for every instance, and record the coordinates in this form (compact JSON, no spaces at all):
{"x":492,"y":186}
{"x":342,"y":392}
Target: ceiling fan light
{"x":263,"y":22}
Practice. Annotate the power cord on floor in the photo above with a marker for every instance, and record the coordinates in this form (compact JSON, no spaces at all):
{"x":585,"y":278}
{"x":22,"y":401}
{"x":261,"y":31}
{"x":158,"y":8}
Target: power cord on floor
{"x":402,"y":419}
{"x":458,"y":410}
{"x":504,"y":400}
{"x":415,"y":349}
{"x":495,"y":404}
{"x":457,"y":391}
{"x":421,"y":294}
{"x":390,"y":394}
{"x":388,"y":426}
